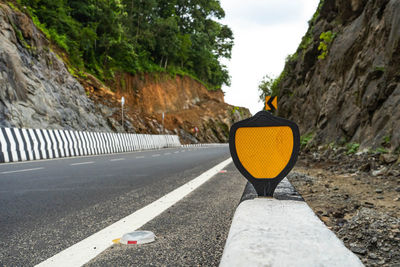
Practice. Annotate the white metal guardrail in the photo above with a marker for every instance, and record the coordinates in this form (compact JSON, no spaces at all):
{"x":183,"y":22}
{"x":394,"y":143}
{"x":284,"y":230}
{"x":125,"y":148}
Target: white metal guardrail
{"x":32,"y":144}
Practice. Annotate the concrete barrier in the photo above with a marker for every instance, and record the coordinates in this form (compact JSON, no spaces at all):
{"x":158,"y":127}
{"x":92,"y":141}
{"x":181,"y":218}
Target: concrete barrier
{"x":283,"y":231}
{"x":33,"y":144}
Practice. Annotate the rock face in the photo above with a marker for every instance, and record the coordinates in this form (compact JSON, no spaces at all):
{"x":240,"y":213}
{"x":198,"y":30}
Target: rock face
{"x":352,"y":93}
{"x":36,"y":89}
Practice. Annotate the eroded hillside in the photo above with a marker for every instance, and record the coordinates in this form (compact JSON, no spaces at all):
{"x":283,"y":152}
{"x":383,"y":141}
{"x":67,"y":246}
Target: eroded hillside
{"x":185,"y":102}
{"x":38,"y":91}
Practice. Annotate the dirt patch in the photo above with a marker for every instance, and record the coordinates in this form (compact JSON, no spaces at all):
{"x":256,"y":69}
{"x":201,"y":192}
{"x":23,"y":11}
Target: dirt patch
{"x":357,"y":197}
{"x":190,"y":110}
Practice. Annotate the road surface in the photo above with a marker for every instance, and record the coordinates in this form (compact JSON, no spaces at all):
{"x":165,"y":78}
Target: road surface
{"x":48,"y":206}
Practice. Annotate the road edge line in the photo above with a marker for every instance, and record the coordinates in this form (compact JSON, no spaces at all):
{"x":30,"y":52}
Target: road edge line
{"x":90,"y":247}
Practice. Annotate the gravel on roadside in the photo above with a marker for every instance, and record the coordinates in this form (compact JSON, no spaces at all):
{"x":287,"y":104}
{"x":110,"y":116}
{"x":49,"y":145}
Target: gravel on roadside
{"x":358,"y":197}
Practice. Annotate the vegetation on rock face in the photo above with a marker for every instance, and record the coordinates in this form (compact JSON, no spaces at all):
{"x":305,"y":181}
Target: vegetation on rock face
{"x":269,"y":86}
{"x":326,"y":38}
{"x":136,"y":36}
{"x":308,"y":37}
{"x":305,"y":139}
{"x":352,"y":148}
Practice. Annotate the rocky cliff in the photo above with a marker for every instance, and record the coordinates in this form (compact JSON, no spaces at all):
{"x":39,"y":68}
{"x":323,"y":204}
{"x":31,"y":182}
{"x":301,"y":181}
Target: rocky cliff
{"x":38,"y":91}
{"x":343,"y":83}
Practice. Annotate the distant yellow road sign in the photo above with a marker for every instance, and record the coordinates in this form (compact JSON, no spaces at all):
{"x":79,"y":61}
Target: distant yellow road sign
{"x":271,"y":103}
{"x":264,"y":148}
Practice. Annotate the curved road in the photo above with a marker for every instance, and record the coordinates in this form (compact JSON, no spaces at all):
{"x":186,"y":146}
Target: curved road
{"x":48,"y":206}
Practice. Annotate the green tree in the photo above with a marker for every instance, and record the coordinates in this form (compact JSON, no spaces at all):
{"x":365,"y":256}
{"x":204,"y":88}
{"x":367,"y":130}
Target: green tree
{"x":265,"y":87}
{"x":104,"y":36}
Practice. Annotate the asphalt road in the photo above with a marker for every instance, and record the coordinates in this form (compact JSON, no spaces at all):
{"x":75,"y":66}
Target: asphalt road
{"x":47,"y":206}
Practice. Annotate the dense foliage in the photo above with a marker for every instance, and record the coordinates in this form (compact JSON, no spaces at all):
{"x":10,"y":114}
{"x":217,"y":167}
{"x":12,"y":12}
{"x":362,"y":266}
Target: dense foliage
{"x":104,"y":36}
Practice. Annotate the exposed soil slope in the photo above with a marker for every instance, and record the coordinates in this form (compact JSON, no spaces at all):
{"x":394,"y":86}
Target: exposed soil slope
{"x":186,"y":103}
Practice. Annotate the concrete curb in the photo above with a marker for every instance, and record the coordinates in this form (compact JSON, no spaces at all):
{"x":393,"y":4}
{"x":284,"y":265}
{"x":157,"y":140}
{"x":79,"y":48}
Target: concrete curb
{"x":34,"y":144}
{"x":282,"y":232}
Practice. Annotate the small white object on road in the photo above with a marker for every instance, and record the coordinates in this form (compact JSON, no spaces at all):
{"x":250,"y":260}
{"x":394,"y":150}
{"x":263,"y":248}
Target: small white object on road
{"x":137,"y":238}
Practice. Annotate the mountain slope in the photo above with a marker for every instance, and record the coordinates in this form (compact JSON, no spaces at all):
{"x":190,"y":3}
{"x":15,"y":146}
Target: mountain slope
{"x":37,"y":90}
{"x":343,"y":83}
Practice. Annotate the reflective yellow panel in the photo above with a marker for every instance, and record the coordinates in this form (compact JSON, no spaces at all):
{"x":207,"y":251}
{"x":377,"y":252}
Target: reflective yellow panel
{"x":264,"y":151}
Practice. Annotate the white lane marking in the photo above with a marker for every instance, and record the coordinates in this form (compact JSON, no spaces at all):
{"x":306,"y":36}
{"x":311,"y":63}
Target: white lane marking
{"x":167,"y":153}
{"x":117,"y":159}
{"x":24,"y":170}
{"x":156,"y":155}
{"x":82,"y":163}
{"x":140,"y":157}
{"x":183,"y":151}
{"x":176,"y":152}
{"x":87,"y":249}
{"x":38,"y":161}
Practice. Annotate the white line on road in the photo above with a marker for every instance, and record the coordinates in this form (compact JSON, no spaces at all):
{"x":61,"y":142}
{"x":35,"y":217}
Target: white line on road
{"x":87,"y":249}
{"x":75,"y":157}
{"x":82,"y":163}
{"x":176,"y":152}
{"x":24,"y":170}
{"x":117,"y":159}
{"x":156,"y":155}
{"x":140,"y":157}
{"x":167,"y":153}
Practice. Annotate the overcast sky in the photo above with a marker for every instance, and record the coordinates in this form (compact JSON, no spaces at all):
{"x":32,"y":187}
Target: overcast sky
{"x":266,"y":32}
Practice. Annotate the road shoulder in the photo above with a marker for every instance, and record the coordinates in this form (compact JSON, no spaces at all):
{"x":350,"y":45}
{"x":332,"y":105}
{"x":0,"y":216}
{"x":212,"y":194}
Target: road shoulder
{"x":191,"y":233}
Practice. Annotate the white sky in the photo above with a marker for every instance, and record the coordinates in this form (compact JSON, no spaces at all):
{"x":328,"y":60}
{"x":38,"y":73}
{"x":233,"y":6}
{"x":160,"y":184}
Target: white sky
{"x":266,"y":32}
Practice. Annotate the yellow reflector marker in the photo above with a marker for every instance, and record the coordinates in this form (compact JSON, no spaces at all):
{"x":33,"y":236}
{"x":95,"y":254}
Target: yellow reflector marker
{"x":264,"y":148}
{"x":264,"y":151}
